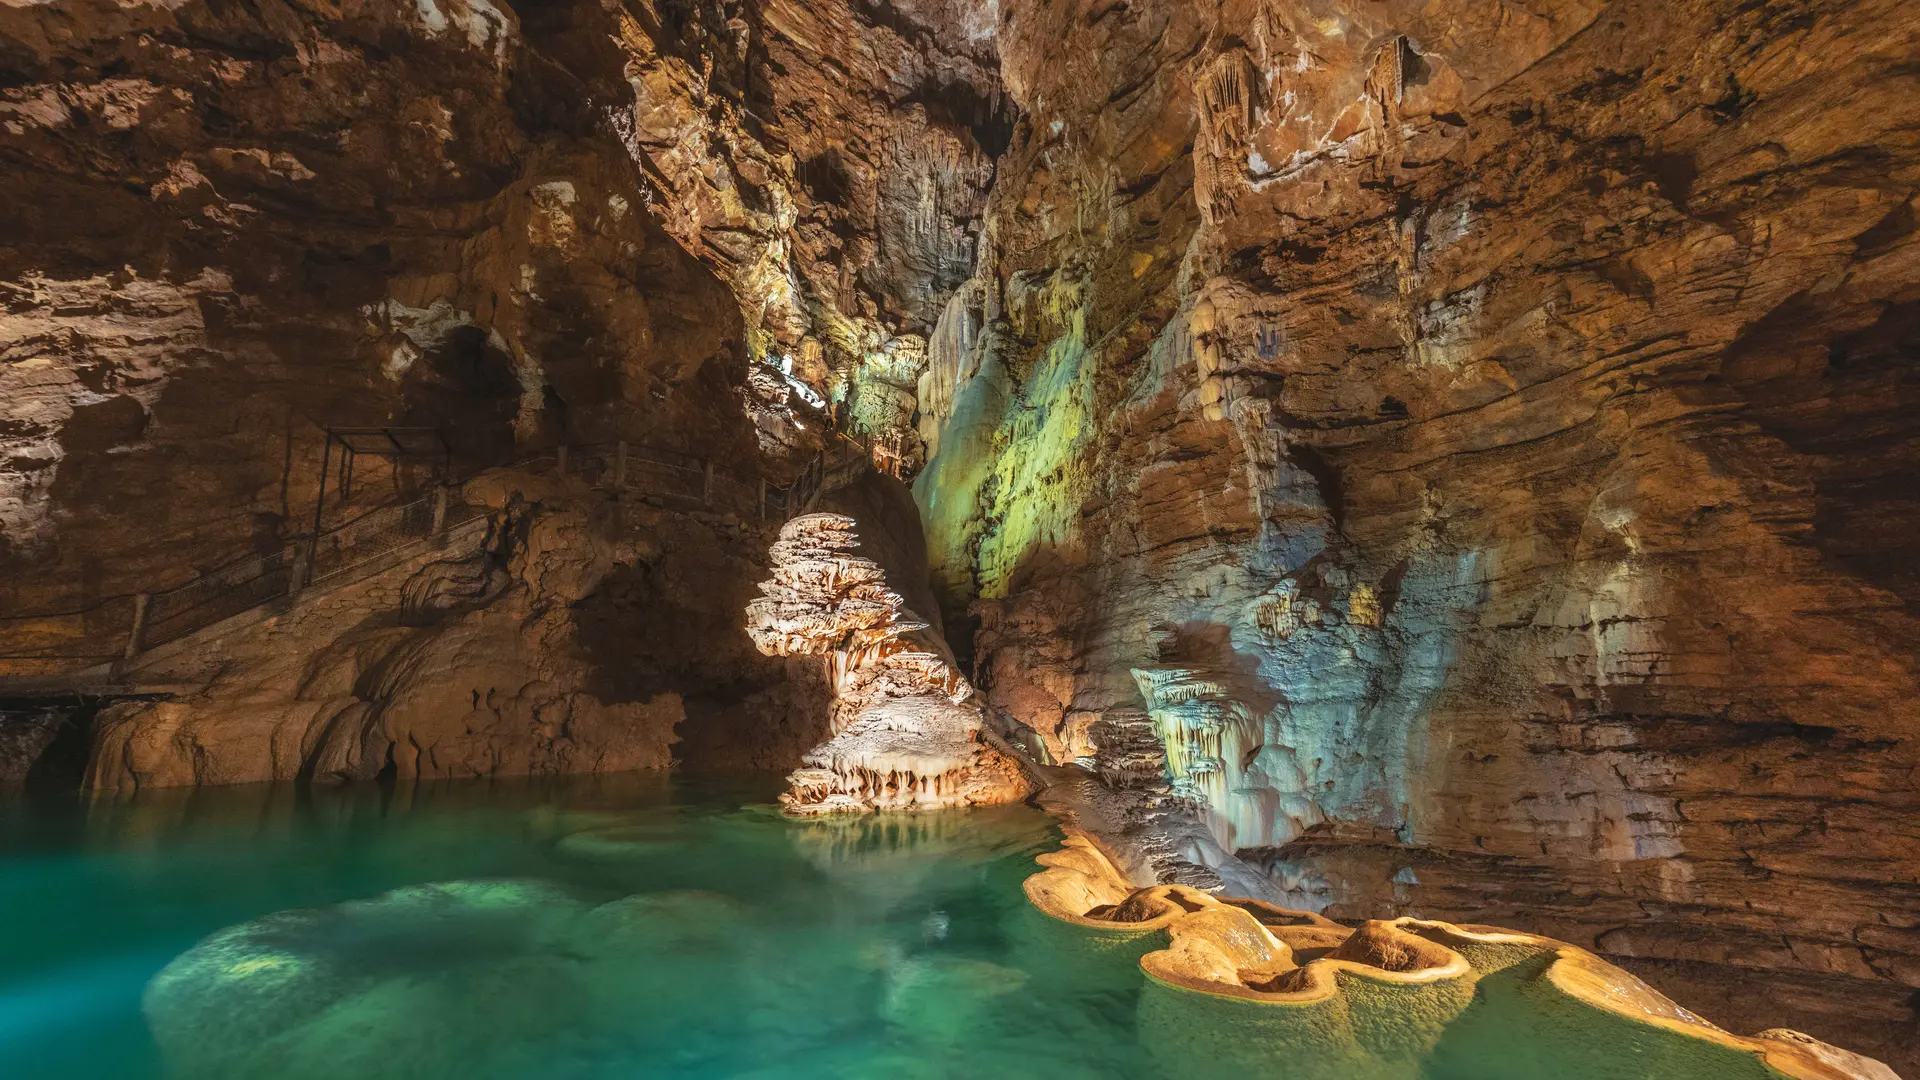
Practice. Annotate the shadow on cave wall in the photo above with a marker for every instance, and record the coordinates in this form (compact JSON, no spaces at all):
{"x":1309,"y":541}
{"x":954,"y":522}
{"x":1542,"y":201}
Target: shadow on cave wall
{"x":673,"y":625}
{"x":1832,"y":377}
{"x":44,"y":744}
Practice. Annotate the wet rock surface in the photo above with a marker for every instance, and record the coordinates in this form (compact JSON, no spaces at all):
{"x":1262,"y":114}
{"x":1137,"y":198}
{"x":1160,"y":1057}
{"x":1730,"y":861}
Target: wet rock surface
{"x":905,"y":733}
{"x":228,"y":228}
{"x":1470,"y":434}
{"x":532,"y":643}
{"x":1401,"y":998}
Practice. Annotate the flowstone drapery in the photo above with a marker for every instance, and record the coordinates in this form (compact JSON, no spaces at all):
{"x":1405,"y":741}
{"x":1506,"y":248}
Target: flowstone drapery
{"x":905,"y":733}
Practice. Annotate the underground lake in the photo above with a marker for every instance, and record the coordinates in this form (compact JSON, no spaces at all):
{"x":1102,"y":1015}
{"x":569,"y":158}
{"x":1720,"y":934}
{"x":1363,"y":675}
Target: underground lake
{"x":654,"y":924}
{"x":623,"y":925}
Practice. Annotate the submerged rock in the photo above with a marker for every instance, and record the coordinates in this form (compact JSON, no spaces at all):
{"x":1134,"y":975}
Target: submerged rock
{"x":403,"y":984}
{"x":938,"y":999}
{"x":466,"y":978}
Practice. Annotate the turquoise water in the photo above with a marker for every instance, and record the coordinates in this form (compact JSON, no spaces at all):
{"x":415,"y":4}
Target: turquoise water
{"x":623,"y":926}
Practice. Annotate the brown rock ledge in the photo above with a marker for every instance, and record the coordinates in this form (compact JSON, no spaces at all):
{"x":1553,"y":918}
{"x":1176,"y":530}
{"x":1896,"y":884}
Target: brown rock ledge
{"x":1235,"y":984}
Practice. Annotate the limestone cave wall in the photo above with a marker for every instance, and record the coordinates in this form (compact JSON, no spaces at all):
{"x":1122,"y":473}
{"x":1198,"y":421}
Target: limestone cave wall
{"x":1461,"y":454}
{"x":1450,"y":458}
{"x":228,"y":226}
{"x":225,"y":227}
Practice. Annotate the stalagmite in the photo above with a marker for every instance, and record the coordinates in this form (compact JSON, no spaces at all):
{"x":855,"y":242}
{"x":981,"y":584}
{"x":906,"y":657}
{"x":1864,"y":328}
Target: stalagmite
{"x":906,"y":734}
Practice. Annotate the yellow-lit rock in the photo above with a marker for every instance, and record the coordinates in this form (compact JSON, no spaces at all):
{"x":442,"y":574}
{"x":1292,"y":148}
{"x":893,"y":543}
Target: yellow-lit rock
{"x":905,"y":734}
{"x":1238,"y":988}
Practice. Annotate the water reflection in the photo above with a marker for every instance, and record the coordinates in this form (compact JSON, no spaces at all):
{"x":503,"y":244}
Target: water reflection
{"x":631,"y":925}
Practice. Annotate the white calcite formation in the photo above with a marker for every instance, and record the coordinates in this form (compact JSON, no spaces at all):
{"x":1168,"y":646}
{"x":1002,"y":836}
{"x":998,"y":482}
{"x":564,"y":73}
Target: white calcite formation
{"x":905,"y":733}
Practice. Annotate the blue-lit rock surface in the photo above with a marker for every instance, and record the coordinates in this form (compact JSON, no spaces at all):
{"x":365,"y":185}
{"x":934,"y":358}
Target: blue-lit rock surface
{"x":1465,"y":443}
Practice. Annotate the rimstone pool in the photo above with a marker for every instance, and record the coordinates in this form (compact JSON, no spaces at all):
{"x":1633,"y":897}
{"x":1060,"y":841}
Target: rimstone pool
{"x":617,"y":926}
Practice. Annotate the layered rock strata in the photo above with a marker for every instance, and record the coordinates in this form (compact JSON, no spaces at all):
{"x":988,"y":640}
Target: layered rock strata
{"x":1415,"y":457}
{"x":830,"y":162}
{"x":1237,"y":985}
{"x":531,"y":643}
{"x":904,"y":732}
{"x":224,"y":228}
{"x":1469,"y":438}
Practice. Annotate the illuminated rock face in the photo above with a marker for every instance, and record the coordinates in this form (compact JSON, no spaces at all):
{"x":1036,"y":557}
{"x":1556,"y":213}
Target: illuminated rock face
{"x":560,"y":634}
{"x":610,"y":217}
{"x":905,"y":735}
{"x":1236,"y":986}
{"x":225,"y":229}
{"x":211,"y":257}
{"x":1463,"y":446}
{"x":1391,"y":408}
{"x":831,"y":166}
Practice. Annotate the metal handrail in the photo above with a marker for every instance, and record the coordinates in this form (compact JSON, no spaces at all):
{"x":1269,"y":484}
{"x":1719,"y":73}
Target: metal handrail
{"x":315,"y":578}
{"x":298,"y":563}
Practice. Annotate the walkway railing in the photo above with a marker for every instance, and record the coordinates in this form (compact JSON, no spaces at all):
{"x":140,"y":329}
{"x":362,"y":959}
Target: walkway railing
{"x":121,"y":627}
